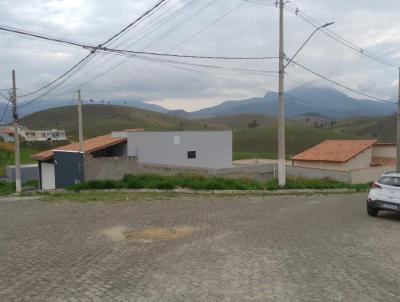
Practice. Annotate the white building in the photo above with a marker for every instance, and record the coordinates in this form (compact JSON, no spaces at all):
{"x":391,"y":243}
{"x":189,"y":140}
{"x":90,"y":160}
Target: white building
{"x":205,"y":149}
{"x":7,"y":134}
{"x":347,"y":155}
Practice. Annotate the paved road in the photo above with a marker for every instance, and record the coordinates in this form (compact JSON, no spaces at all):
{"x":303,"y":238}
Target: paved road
{"x":199,"y":248}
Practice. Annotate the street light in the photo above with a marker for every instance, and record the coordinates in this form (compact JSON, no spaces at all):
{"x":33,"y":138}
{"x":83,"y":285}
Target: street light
{"x":306,"y":41}
{"x":281,"y":111}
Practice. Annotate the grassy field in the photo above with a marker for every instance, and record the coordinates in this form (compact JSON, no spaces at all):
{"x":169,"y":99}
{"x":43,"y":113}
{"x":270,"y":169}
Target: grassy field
{"x":242,"y":121}
{"x":263,"y":140}
{"x":246,"y":155}
{"x":7,"y":156}
{"x":381,"y":128}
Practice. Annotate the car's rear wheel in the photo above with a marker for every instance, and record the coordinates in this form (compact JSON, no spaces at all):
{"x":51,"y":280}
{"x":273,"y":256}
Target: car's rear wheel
{"x":372,"y":211}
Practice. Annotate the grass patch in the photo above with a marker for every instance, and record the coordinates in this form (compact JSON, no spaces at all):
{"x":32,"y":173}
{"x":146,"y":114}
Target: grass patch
{"x":6,"y":188}
{"x":7,"y":156}
{"x":198,"y":182}
{"x":248,"y":155}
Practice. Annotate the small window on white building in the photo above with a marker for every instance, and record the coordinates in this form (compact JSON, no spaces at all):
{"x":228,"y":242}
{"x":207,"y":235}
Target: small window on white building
{"x":177,"y":140}
{"x":192,"y":154}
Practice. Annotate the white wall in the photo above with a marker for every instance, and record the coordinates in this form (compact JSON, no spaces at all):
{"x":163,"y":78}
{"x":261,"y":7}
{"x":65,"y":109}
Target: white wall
{"x":213,"y":148}
{"x":361,"y":161}
{"x":48,"y":176}
{"x":369,"y":174}
{"x":384,"y":151}
{"x":321,"y":165}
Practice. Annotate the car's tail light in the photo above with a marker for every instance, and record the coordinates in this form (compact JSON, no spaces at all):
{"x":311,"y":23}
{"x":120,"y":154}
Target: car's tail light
{"x":376,"y":186}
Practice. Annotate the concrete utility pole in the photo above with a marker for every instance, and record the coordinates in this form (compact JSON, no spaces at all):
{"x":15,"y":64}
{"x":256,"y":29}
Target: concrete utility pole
{"x":398,"y":130}
{"x":281,"y":113}
{"x":81,"y":148}
{"x":18,"y":188}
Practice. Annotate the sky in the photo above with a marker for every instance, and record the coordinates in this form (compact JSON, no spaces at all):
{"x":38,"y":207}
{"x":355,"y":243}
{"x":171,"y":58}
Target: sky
{"x":197,"y":27}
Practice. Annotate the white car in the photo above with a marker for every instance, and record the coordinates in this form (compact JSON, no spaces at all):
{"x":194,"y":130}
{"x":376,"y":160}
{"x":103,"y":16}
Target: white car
{"x":384,"y":194}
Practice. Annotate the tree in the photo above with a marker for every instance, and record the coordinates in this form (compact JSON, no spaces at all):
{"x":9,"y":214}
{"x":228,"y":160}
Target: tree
{"x":253,"y":124}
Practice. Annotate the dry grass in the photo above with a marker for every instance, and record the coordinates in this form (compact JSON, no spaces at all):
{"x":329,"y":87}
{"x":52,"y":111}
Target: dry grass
{"x":7,"y":146}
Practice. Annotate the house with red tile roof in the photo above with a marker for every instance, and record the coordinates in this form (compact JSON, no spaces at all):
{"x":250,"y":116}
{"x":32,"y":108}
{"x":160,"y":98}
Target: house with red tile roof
{"x":64,"y":165}
{"x":347,"y":155}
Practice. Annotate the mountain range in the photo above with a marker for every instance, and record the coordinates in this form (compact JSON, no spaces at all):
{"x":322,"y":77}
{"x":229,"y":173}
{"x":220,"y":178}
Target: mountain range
{"x":327,"y":102}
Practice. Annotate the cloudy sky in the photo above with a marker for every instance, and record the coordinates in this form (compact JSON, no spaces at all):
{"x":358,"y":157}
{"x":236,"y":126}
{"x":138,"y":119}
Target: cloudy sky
{"x":199,"y":27}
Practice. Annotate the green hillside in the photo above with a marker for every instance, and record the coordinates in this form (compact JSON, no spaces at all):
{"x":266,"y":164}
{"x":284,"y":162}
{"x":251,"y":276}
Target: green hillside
{"x":101,"y":119}
{"x":298,"y":138}
{"x":254,"y":135}
{"x":240,"y":121}
{"x":381,"y":128}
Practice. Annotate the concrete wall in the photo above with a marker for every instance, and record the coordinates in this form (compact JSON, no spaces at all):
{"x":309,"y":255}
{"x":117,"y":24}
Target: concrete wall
{"x":321,"y":165}
{"x":315,"y":173}
{"x":370,"y":174}
{"x":110,"y":168}
{"x":213,"y":148}
{"x":359,"y":176}
{"x":384,"y":151}
{"x":114,"y":168}
{"x":28,"y":172}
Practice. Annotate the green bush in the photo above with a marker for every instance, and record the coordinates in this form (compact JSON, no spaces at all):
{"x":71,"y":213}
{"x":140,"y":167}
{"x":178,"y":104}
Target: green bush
{"x":7,"y":188}
{"x":201,"y":182}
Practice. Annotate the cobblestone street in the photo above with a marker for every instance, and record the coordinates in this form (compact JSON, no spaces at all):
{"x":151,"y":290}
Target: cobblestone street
{"x":199,"y":248}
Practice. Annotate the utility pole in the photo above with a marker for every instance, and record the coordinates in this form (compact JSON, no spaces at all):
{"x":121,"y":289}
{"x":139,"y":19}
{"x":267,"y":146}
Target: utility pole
{"x":81,"y":148}
{"x":398,"y":130}
{"x":16,"y":136}
{"x":281,"y":112}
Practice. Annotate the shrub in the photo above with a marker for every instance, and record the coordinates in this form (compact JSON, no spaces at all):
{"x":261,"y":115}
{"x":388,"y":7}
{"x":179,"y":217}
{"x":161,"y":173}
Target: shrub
{"x":200,"y":182}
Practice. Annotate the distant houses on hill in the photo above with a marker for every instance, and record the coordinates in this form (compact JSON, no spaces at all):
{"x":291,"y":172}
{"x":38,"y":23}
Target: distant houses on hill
{"x":7,"y":134}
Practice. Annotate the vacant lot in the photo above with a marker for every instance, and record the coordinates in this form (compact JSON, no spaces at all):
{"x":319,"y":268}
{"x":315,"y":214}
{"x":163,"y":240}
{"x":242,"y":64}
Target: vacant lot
{"x":150,"y":247}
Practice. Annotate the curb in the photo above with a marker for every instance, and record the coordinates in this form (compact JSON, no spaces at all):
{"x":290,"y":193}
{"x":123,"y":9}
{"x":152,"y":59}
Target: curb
{"x":220,"y":192}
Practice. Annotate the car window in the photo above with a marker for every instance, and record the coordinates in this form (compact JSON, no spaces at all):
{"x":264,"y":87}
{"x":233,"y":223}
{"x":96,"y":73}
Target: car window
{"x":390,"y":181}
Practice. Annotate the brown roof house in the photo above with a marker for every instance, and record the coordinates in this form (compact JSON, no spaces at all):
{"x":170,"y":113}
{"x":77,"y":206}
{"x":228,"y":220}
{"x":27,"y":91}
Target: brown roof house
{"x":347,"y":155}
{"x":64,"y":165}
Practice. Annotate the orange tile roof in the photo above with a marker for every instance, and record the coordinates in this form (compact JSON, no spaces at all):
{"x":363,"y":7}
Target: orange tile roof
{"x":335,"y":150}
{"x":89,"y":146}
{"x":8,"y":130}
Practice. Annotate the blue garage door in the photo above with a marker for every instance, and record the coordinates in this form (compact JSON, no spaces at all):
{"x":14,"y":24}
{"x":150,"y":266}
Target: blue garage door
{"x":68,"y":168}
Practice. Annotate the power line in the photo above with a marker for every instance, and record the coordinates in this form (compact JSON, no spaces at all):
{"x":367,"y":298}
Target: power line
{"x":153,"y":25}
{"x":183,"y":55}
{"x":4,"y":112}
{"x":177,"y":45}
{"x":108,"y":50}
{"x":93,"y":50}
{"x":339,"y":84}
{"x":31,"y":34}
{"x":330,"y":33}
{"x":135,"y":22}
